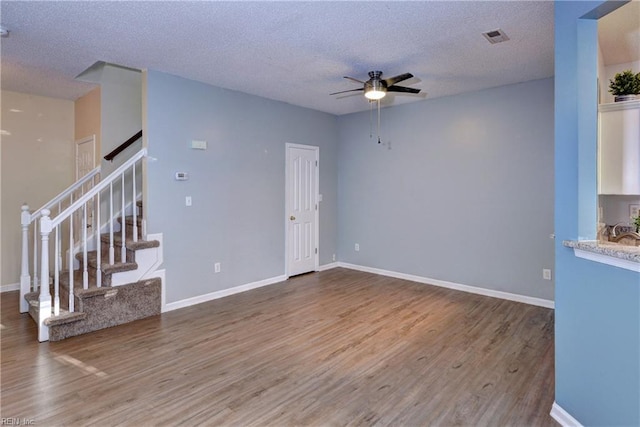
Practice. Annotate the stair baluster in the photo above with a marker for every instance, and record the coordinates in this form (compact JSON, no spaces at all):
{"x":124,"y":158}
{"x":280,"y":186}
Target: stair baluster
{"x":71,"y":290}
{"x":97,"y":235}
{"x":133,"y":203}
{"x":56,"y":274}
{"x":35,"y":256}
{"x":85,"y":261}
{"x":123,"y":250}
{"x":112,"y":256}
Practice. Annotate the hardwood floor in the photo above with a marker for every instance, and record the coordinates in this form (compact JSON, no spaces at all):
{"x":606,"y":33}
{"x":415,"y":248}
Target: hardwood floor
{"x":334,"y":348}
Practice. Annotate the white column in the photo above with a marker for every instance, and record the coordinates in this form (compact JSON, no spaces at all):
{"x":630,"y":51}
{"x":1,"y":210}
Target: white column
{"x":25,"y":278}
{"x":45,"y":295}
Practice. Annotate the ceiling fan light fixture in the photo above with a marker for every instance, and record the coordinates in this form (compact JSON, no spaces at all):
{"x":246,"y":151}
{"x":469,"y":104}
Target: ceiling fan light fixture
{"x":375,"y":94}
{"x":375,"y":90}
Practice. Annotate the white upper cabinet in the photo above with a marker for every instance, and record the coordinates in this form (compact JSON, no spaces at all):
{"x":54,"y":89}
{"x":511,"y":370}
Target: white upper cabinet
{"x":619,"y":148}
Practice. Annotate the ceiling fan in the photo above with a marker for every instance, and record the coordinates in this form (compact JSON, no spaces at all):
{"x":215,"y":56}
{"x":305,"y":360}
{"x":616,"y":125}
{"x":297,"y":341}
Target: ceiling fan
{"x":376,"y":87}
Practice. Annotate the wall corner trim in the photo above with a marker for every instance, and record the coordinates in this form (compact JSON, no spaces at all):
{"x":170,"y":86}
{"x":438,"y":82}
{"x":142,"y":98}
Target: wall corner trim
{"x":563,"y":417}
{"x":455,"y":286}
{"x":329,"y":266}
{"x":220,"y":294}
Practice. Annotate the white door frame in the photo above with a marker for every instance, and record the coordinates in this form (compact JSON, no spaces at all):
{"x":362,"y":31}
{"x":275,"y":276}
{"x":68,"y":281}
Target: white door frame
{"x":92,"y":140}
{"x":316,"y":193}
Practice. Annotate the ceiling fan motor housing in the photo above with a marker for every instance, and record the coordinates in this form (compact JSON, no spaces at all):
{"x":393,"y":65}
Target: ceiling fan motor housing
{"x":375,"y":81}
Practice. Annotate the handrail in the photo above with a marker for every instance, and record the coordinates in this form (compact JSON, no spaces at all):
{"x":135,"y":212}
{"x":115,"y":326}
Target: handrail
{"x":120,"y":148}
{"x":73,"y":187}
{"x":98,"y":187}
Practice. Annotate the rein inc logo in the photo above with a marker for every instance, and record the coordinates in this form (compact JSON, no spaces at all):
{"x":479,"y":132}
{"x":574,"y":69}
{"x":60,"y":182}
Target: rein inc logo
{"x":15,"y":421}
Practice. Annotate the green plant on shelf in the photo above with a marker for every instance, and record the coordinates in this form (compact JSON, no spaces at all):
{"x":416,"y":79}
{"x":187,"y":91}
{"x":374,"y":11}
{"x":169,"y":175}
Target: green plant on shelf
{"x":636,"y":222}
{"x":625,"y":83}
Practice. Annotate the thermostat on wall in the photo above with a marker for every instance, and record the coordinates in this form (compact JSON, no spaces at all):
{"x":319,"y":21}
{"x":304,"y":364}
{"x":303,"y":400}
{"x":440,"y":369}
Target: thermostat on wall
{"x":182,"y":176}
{"x":199,"y":145}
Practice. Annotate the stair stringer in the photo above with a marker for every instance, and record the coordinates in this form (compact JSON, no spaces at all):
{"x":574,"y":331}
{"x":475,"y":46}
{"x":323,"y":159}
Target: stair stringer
{"x":148,"y":261}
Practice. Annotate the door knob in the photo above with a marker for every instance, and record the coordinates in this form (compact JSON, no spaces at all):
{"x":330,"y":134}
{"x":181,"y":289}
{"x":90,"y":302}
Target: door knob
{"x":292,"y":218}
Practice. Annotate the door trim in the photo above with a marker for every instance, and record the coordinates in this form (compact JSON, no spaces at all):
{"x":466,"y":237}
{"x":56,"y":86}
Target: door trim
{"x":316,"y":193}
{"x":92,"y":140}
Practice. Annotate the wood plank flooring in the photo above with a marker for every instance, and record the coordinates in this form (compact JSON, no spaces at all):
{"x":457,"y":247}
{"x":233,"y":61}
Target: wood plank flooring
{"x":334,"y":348}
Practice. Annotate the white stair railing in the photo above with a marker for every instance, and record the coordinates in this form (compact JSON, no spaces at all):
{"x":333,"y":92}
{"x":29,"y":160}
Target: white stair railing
{"x":122,"y":179}
{"x":29,"y":223}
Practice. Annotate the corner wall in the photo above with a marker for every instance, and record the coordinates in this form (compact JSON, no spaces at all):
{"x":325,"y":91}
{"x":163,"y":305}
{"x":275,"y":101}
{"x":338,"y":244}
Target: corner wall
{"x":597,"y":330}
{"x":460,"y":190}
{"x":236,"y":185}
{"x":87,"y":119}
{"x":120,"y":112}
{"x":37,"y":163}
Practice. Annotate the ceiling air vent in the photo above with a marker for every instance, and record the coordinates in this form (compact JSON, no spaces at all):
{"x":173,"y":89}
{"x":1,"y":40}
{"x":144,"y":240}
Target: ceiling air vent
{"x":496,"y":36}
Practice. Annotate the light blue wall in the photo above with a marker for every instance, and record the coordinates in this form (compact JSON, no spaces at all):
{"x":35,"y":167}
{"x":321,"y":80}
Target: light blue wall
{"x":237,"y":185}
{"x":461,"y":189}
{"x":597,"y":306}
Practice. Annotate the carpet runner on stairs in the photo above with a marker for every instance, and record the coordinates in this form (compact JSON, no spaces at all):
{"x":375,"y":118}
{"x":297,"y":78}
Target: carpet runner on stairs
{"x":102,"y":307}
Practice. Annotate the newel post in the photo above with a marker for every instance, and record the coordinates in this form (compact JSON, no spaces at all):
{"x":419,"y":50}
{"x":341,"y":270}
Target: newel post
{"x":45,"y":294}
{"x":25,"y":278}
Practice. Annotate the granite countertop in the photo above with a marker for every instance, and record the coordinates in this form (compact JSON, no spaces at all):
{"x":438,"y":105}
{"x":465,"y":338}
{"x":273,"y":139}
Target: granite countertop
{"x":616,"y":250}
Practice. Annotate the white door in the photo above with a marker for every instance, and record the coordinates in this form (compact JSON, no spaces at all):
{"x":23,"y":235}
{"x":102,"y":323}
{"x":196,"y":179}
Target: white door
{"x":85,"y":163}
{"x":85,"y":156}
{"x":302,"y":209}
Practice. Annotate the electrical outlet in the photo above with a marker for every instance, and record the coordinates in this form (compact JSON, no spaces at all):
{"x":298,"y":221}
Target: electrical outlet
{"x":187,"y":201}
{"x":546,"y":274}
{"x":357,"y":247}
{"x":333,"y":257}
{"x":216,"y":267}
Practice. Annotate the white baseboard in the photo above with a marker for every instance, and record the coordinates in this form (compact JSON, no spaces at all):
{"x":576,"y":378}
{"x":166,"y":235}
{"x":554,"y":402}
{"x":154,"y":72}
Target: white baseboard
{"x":451,"y":285}
{"x":220,"y":294}
{"x":328,"y":266}
{"x":9,"y":287}
{"x":563,"y":417}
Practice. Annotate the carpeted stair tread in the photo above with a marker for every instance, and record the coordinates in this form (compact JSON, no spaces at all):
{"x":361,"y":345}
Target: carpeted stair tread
{"x":117,"y":267}
{"x":129,"y":243}
{"x":32,"y":296}
{"x":77,"y":279}
{"x":129,"y":220}
{"x":94,"y":291}
{"x":78,"y":284}
{"x":64,"y":318}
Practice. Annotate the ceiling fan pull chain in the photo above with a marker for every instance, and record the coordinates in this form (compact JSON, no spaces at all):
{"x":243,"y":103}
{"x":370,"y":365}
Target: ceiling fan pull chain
{"x":378,"y":122}
{"x":370,"y":120}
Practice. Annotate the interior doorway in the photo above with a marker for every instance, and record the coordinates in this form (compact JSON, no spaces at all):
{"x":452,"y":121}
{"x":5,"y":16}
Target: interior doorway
{"x":301,"y":198}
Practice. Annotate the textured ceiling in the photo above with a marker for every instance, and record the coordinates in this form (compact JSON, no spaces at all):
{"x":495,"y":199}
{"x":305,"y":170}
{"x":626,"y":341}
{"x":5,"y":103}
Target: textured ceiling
{"x":296,"y":52}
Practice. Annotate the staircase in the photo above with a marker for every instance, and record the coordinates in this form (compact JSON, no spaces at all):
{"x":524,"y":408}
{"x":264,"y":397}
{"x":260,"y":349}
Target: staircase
{"x":109,"y":278}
